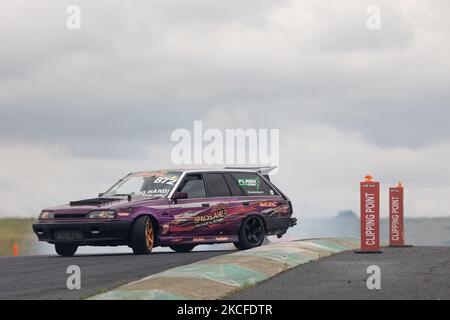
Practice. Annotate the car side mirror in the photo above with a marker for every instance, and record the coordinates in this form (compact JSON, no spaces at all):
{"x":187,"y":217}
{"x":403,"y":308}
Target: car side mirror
{"x":101,"y":194}
{"x":179,"y":195}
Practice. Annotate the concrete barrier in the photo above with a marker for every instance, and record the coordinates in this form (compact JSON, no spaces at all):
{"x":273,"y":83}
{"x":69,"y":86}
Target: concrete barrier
{"x":222,"y":276}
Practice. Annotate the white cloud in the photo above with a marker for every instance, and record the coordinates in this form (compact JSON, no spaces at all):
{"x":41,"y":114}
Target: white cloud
{"x":33,"y":177}
{"x":114,"y":90}
{"x":322,"y":168}
{"x":320,"y":171}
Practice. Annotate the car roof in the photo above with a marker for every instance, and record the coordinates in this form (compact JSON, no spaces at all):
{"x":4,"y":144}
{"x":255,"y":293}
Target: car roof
{"x":195,"y":170}
{"x":219,"y":170}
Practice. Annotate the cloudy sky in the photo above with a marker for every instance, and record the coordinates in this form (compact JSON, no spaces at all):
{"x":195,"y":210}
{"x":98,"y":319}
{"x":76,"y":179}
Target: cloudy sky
{"x":81,"y":108}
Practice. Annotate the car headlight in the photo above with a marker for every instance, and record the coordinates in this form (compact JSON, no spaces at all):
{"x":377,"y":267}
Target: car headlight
{"x":45,"y":215}
{"x":108,"y":214}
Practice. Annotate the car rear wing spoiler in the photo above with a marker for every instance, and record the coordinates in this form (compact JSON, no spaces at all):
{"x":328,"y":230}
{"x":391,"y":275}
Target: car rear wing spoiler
{"x":264,"y":170}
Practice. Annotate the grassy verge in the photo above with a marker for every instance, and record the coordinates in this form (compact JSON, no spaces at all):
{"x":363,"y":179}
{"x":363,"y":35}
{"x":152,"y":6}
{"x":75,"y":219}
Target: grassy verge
{"x":16,"y":230}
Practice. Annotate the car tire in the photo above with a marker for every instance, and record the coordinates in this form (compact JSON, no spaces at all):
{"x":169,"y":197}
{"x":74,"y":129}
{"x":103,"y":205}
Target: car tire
{"x":142,"y":236}
{"x":66,"y":250}
{"x":180,"y":248}
{"x":251,"y":233}
{"x":238,"y":245}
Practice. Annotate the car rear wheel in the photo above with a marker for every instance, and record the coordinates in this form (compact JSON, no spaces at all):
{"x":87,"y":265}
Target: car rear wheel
{"x":142,"y":236}
{"x":66,"y":250}
{"x":251,"y":233}
{"x":182,"y":247}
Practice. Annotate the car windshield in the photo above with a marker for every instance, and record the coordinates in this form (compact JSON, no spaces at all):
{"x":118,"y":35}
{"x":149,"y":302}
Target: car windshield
{"x":146,"y":183}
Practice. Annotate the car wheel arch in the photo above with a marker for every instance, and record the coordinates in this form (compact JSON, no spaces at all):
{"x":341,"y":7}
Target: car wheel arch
{"x":257,"y":215}
{"x":155,"y":224}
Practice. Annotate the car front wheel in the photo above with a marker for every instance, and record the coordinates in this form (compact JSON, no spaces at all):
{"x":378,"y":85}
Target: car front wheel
{"x":66,"y":250}
{"x":251,"y":233}
{"x":142,"y":235}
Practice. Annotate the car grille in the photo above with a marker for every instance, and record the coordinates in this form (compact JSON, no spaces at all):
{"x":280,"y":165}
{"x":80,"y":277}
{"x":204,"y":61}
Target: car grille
{"x":69,"y":216}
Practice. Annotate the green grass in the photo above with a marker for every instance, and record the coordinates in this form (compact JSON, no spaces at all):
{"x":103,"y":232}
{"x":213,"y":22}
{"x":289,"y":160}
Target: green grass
{"x":16,"y":230}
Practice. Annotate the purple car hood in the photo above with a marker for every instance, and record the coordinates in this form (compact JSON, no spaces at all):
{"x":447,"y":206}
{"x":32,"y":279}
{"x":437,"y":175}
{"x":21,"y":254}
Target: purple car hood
{"x":84,"y":206}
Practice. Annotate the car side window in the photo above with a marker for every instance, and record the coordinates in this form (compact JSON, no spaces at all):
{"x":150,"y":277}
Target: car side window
{"x":253,"y":184}
{"x":194,"y":186}
{"x":235,"y":189}
{"x":217,"y":186}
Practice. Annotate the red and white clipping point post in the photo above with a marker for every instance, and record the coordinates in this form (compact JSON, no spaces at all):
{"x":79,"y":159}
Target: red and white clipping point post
{"x":370,"y":216}
{"x":396,"y":217}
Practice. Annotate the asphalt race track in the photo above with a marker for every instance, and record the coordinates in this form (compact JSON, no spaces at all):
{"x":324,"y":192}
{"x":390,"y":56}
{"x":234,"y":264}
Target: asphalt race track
{"x":408,"y":273}
{"x":44,"y":277}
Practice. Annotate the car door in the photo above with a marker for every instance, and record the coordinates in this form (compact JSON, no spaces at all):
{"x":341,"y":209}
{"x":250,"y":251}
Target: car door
{"x":220,"y":199}
{"x":186,"y":214}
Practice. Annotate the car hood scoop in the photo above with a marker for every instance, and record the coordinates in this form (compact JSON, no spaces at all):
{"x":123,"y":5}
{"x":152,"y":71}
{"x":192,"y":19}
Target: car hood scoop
{"x":93,"y":202}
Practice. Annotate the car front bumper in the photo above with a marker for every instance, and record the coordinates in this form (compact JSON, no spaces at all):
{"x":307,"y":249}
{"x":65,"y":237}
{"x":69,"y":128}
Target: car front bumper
{"x":84,"y":233}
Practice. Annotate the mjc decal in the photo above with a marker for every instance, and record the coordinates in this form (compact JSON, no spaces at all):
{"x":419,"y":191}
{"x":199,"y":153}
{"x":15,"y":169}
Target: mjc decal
{"x":268,"y":204}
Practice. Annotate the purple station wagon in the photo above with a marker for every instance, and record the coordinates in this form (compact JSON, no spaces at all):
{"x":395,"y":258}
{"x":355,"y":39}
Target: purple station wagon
{"x":172,"y":208}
